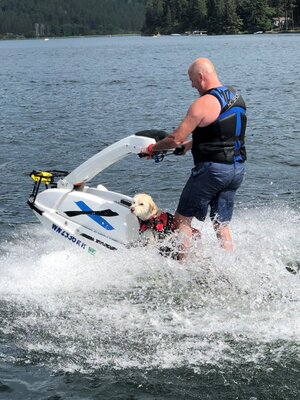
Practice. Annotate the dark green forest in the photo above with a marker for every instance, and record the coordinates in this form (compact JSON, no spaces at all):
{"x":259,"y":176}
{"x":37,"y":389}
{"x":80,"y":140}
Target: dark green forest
{"x":40,"y":18}
{"x":220,"y":16}
{"x":33,"y":18}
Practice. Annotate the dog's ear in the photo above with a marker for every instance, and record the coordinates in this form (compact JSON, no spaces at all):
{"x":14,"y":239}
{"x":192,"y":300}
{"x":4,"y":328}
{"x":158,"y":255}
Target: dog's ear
{"x":153,"y":206}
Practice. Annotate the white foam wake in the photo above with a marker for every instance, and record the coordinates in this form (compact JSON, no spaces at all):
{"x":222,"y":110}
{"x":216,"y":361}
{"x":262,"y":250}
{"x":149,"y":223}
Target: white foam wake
{"x":133,"y":308}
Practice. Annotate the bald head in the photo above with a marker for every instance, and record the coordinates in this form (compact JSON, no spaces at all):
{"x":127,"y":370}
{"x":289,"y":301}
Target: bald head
{"x":203,"y":65}
{"x":203,"y":75}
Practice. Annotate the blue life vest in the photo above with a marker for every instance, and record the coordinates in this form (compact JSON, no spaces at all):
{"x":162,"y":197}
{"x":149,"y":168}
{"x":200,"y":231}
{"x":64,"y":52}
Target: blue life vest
{"x":223,"y":140}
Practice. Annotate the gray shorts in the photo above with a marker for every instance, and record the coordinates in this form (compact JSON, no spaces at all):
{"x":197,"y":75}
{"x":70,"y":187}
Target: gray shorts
{"x":211,"y":184}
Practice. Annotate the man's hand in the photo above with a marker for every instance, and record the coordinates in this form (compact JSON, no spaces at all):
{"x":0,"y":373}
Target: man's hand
{"x":187,"y":146}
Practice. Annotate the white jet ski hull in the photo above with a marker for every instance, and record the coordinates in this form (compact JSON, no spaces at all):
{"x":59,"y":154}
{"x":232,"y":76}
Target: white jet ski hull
{"x":87,"y":231}
{"x":89,"y":218}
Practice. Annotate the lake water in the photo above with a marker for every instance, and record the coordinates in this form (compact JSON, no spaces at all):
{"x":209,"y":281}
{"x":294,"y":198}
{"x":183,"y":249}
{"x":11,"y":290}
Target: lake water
{"x":132,"y":325}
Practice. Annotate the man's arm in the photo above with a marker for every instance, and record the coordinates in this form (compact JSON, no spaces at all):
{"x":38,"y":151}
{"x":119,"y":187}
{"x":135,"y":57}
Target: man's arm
{"x":202,"y":112}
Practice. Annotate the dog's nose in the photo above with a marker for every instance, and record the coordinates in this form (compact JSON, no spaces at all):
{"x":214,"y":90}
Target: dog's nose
{"x":132,"y":209}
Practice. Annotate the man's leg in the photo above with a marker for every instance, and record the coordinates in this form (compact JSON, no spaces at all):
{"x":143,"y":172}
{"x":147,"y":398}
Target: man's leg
{"x":185,"y":231}
{"x":224,"y":236}
{"x":222,"y":204}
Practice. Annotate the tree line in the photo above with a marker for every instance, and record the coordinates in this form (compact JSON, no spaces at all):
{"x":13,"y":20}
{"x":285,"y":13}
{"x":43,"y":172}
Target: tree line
{"x":39,"y":18}
{"x":33,"y":18}
{"x":220,"y":16}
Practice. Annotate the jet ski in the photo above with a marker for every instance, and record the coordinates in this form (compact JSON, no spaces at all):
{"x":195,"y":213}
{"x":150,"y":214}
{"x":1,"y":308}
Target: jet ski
{"x":90,"y":218}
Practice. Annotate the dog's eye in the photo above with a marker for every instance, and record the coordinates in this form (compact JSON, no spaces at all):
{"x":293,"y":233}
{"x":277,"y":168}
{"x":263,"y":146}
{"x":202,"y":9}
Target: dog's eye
{"x":141,"y":204}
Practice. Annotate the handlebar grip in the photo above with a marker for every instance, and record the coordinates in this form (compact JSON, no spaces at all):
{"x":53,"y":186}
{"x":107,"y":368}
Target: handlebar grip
{"x":143,"y":155}
{"x":179,"y":150}
{"x":152,"y":155}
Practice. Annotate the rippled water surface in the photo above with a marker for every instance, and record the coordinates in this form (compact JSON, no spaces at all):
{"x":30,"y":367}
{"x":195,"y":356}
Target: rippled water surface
{"x":131,"y":325}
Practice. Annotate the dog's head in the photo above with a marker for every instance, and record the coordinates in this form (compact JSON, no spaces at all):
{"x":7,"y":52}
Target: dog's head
{"x":143,"y":206}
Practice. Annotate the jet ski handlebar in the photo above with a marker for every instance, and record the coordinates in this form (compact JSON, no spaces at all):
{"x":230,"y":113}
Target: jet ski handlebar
{"x":158,"y":156}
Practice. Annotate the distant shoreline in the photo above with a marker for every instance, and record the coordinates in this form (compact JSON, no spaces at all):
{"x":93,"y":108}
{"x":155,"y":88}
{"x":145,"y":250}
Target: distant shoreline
{"x":22,"y":37}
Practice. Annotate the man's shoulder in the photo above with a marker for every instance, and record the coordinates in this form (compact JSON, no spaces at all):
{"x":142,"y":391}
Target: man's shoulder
{"x":205,"y":109}
{"x":208,"y":100}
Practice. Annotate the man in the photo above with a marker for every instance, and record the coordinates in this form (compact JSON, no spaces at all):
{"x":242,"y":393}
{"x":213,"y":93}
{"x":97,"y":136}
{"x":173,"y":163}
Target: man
{"x":217,"y":121}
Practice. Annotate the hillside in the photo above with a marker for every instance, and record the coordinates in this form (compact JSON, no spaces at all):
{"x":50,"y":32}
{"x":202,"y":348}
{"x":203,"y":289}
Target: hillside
{"x":33,"y":18}
{"x":40,"y":18}
{"x":220,"y":16}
